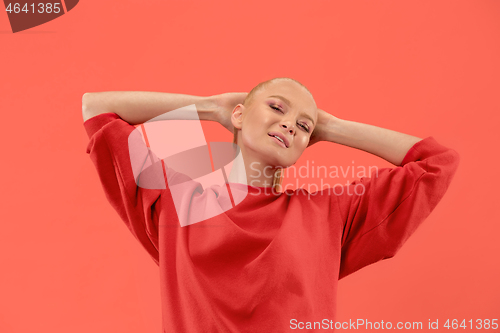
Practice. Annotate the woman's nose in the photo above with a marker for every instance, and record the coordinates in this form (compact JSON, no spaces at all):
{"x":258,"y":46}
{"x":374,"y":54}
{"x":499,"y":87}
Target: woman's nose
{"x":290,"y":128}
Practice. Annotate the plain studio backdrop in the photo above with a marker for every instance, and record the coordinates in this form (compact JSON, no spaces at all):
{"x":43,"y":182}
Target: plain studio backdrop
{"x":425,"y":68}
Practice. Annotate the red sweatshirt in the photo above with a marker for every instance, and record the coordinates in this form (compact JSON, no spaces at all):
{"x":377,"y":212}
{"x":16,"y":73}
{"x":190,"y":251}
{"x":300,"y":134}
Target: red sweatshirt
{"x":273,"y":260}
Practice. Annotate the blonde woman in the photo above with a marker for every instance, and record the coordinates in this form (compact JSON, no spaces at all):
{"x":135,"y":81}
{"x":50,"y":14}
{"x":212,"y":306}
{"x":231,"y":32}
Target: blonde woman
{"x":273,"y":260}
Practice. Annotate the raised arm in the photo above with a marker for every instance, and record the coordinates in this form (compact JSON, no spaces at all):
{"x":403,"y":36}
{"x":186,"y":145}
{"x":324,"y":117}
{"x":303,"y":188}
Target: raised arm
{"x":137,"y":107}
{"x":387,"y":144}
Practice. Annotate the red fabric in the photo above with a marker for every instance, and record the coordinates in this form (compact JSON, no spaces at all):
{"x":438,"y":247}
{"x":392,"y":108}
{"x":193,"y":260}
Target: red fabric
{"x":271,"y":258}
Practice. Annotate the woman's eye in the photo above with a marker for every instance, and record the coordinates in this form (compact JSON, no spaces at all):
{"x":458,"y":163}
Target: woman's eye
{"x":276,"y":108}
{"x":304,"y":127}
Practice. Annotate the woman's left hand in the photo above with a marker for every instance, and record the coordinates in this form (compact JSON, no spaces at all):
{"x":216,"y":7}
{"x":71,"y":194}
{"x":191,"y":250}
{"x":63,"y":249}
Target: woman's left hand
{"x":321,"y":129}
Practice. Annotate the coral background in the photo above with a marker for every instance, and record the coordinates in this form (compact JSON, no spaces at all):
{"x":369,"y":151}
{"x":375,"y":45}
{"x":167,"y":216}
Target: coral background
{"x":426,"y":68}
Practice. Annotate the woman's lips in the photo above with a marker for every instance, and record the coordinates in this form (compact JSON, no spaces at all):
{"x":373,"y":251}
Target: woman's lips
{"x":278,"y":141}
{"x":280,"y":136}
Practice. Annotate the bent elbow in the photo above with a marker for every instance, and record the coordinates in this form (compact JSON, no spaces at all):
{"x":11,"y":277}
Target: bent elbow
{"x":456,"y":159}
{"x":85,"y":98}
{"x":450,"y":165}
{"x":87,"y":110}
{"x":444,"y":165}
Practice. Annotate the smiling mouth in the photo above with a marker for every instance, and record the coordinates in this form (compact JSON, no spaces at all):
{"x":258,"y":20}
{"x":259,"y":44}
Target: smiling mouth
{"x":279,"y":140}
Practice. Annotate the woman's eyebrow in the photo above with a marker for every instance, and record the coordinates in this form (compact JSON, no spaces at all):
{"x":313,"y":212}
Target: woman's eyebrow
{"x":305,"y":115}
{"x":287,"y":101}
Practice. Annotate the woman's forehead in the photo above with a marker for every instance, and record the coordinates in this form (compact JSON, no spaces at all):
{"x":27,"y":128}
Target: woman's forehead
{"x":293,"y":95}
{"x":290,"y":92}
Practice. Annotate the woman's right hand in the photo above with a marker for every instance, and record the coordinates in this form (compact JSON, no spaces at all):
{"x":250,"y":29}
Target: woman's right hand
{"x":225,"y":104}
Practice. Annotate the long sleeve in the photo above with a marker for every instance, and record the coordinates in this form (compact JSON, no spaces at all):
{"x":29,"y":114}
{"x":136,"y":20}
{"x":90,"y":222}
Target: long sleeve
{"x":391,"y":206}
{"x":109,"y":151}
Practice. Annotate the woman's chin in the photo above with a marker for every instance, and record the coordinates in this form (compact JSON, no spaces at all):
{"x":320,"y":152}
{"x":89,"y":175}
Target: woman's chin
{"x":275,"y":158}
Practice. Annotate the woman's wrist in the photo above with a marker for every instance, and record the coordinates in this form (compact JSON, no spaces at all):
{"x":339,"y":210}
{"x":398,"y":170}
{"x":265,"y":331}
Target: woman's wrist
{"x":224,"y":105}
{"x":325,"y":128}
{"x":207,"y":107}
{"x":333,"y":129}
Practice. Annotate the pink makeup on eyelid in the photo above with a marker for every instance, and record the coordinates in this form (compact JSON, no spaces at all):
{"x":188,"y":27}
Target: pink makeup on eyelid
{"x":275,"y":103}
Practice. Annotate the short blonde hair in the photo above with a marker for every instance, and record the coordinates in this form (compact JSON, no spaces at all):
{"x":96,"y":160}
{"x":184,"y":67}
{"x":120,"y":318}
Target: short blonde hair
{"x":277,"y":180}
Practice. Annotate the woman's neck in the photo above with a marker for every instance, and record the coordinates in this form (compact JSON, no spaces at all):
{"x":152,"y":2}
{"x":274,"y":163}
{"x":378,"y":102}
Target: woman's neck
{"x":251,"y":171}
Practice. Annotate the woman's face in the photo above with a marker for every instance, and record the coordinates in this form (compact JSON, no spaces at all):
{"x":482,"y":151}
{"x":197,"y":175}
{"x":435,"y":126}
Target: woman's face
{"x":282,"y":109}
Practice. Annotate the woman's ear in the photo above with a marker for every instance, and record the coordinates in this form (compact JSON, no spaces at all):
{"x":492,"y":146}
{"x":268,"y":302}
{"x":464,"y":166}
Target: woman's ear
{"x":237,"y":116}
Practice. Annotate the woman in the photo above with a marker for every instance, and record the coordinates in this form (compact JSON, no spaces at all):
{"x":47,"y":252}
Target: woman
{"x":270,"y":262}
